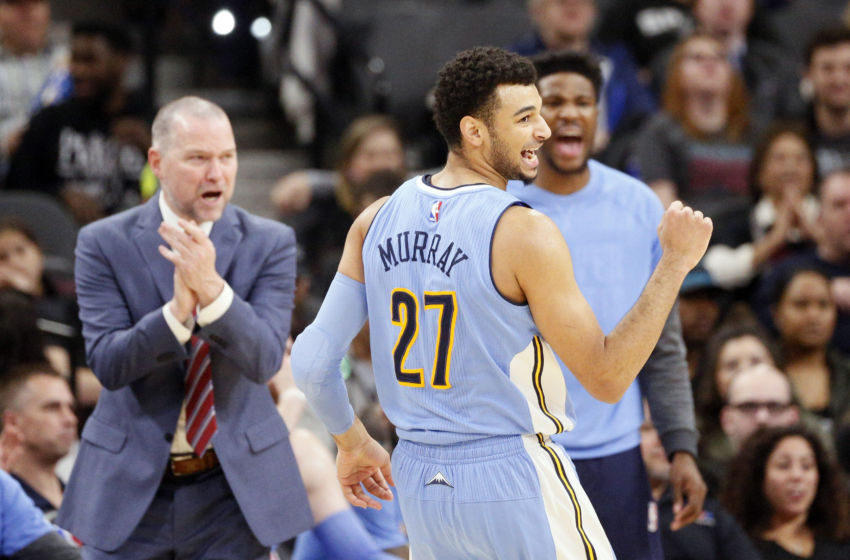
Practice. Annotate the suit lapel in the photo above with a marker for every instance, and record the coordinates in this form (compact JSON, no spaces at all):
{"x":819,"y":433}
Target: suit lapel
{"x":226,"y":235}
{"x":148,"y":240}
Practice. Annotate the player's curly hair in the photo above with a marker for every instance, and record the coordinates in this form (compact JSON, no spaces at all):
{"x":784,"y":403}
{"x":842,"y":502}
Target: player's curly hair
{"x":467,"y":86}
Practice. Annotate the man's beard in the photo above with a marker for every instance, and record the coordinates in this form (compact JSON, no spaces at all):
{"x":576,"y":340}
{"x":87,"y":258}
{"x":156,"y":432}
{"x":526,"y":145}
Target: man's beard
{"x":505,"y":165}
{"x":550,"y":161}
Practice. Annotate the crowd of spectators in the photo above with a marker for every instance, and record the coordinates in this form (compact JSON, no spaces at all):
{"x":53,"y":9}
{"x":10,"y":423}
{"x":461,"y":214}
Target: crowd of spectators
{"x":697,"y":101}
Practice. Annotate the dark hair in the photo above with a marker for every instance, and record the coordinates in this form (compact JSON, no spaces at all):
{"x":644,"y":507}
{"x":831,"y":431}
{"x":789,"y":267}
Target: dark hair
{"x":572,"y":62}
{"x":707,"y":400}
{"x":13,"y":223}
{"x":774,"y":132}
{"x":467,"y":86}
{"x":787,"y":275}
{"x":828,"y":37}
{"x":744,"y":495}
{"x":117,"y":37}
{"x":20,"y":339}
{"x":12,"y":382}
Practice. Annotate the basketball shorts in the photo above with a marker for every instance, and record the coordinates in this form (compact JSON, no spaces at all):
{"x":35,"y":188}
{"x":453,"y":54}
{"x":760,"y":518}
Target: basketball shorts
{"x":512,"y":498}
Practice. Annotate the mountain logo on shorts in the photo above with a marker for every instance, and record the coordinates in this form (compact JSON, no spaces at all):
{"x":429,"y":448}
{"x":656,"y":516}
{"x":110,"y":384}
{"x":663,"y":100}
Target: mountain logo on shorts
{"x":439,"y":479}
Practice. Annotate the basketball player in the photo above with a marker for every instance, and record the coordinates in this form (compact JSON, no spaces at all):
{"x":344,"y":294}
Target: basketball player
{"x":463,"y":287}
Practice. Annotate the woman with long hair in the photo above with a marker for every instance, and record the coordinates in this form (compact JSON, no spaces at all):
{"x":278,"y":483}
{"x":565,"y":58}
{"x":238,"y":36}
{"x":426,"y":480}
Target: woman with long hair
{"x":789,"y":496}
{"x":696,"y":149}
{"x":805,"y":313}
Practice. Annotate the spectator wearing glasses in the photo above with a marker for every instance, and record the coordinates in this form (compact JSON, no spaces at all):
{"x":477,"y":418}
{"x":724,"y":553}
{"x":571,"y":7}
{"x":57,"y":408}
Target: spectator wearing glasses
{"x":757,"y":396}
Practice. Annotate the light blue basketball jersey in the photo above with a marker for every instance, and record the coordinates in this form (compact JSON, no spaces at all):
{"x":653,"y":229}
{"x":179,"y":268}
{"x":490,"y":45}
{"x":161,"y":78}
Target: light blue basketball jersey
{"x":454,"y":361}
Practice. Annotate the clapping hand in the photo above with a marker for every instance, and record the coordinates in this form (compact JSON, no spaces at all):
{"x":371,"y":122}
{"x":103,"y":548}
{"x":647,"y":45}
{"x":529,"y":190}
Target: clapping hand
{"x":193,"y":256}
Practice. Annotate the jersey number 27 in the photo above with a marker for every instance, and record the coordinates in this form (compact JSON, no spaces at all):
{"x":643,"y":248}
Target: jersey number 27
{"x":405,"y":314}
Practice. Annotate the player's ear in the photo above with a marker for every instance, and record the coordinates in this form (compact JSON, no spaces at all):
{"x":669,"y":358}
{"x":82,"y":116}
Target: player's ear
{"x":155,"y":160}
{"x":473,"y":130}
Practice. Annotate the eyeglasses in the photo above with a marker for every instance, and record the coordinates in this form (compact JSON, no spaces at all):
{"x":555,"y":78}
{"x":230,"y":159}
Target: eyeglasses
{"x":750,"y":408}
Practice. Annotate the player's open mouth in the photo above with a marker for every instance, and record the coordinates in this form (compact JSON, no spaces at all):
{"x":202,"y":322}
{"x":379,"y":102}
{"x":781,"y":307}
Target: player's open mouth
{"x":530,"y":157}
{"x":211,"y":196}
{"x":568,"y":145}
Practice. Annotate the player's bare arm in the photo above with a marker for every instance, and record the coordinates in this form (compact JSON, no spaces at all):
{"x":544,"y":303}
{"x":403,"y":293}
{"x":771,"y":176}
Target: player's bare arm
{"x":532,"y":263}
{"x":351,"y":262}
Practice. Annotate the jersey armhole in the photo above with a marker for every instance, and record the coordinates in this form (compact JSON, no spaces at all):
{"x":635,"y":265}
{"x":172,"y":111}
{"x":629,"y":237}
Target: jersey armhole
{"x":378,"y":211}
{"x":490,"y":259}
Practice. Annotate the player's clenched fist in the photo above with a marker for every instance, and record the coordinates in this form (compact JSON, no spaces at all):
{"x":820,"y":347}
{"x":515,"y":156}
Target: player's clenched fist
{"x":684,"y":234}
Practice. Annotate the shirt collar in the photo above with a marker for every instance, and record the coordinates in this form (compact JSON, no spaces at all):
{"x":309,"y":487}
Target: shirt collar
{"x":169,"y":217}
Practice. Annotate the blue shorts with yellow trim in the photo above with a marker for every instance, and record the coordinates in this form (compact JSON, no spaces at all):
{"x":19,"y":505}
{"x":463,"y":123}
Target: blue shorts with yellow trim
{"x":513,"y":497}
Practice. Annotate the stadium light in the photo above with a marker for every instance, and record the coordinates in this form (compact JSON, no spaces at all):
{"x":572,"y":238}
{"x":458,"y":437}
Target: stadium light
{"x":223,"y":22}
{"x":261,"y":27}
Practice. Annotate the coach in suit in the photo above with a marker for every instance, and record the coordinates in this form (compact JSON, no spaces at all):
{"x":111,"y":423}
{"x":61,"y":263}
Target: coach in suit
{"x":155,"y":285}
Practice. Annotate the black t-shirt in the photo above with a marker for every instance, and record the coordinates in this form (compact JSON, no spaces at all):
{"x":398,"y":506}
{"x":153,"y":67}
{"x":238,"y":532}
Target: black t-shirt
{"x":824,"y":550}
{"x":71,"y":144}
{"x":647,"y":26}
{"x":715,"y":535}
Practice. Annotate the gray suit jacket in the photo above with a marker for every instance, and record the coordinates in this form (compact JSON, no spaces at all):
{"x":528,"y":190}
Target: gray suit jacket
{"x":122,"y":284}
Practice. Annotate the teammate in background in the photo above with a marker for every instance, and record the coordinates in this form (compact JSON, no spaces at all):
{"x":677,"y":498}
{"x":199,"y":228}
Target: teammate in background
{"x":461,"y":284}
{"x":610,"y":222}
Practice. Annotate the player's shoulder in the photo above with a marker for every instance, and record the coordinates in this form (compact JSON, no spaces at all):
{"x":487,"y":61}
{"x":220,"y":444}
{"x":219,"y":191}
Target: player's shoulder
{"x":367,"y":216}
{"x":525,"y":240}
{"x":524,"y":227}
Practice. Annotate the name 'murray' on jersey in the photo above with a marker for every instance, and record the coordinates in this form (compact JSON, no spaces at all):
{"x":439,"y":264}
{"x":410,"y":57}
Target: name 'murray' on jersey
{"x":419,"y":246}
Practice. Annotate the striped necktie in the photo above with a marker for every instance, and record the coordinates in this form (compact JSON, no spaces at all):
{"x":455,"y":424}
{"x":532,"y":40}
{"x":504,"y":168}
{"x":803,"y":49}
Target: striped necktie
{"x":200,"y":409}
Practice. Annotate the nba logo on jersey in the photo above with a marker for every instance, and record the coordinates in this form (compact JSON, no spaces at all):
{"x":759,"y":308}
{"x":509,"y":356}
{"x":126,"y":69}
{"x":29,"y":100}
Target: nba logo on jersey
{"x":435,"y":211}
